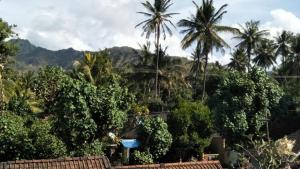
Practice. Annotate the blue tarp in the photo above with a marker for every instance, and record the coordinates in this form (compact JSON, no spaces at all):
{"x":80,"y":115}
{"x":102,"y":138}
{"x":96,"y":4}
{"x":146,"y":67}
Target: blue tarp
{"x":130,"y":143}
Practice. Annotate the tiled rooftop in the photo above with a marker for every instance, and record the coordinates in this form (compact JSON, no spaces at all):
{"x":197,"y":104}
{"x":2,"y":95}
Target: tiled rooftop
{"x":187,"y":165}
{"x":100,"y":162}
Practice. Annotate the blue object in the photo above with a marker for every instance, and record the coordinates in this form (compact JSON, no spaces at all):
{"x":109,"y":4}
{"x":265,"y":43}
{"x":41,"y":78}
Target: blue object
{"x":130,"y":143}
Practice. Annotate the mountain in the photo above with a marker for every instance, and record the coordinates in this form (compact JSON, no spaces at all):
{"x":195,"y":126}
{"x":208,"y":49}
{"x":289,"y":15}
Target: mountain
{"x":31,"y":57}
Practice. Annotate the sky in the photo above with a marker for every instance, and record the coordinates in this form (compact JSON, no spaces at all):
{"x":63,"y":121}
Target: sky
{"x":99,"y":24}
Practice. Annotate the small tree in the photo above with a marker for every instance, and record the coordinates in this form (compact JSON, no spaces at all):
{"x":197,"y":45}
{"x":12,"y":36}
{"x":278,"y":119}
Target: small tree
{"x":242,"y":104}
{"x":85,"y":114}
{"x":191,"y":125}
{"x":155,"y":137}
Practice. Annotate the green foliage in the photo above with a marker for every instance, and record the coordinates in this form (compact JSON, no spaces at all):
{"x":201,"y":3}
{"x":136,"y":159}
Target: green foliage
{"x":242,"y":103}
{"x":6,"y":48}
{"x":46,"y":83}
{"x":85,"y":113}
{"x":14,"y":141}
{"x":95,"y":148}
{"x":141,"y":157}
{"x":19,"y":106}
{"x":45,"y":144}
{"x":20,"y":140}
{"x":73,"y":120}
{"x":155,"y":137}
{"x":96,"y":68}
{"x":191,"y":125}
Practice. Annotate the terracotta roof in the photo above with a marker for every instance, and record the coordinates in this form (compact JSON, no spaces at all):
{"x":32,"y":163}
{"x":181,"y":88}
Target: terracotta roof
{"x":295,"y":136}
{"x":188,"y":165}
{"x":97,"y":162}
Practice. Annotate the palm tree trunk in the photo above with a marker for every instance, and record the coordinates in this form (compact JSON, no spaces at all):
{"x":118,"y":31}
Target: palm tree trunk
{"x":204,"y":76}
{"x":249,"y":57}
{"x":157,"y":59}
{"x":1,"y":91}
{"x":197,"y":75}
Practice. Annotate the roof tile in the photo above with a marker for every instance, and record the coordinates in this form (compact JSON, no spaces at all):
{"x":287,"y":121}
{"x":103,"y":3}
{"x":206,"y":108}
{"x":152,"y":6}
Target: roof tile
{"x":187,"y":165}
{"x":95,"y":162}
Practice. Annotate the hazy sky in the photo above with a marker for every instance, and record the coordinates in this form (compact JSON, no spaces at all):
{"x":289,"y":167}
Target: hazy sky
{"x":97,"y":24}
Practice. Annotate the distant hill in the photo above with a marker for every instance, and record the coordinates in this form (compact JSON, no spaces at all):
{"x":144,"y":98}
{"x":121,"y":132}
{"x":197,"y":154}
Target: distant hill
{"x":31,"y":57}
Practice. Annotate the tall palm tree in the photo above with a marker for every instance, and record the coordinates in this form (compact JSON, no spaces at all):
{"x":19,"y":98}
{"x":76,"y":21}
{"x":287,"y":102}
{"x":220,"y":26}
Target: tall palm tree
{"x":294,"y":59}
{"x":250,"y":37}
{"x":265,"y":54}
{"x":202,"y":29}
{"x":283,"y":42}
{"x":238,"y":60}
{"x":158,"y":21}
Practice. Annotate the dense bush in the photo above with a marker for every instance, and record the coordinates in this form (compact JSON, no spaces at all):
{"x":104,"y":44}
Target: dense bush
{"x":19,"y":106}
{"x":243,"y":102}
{"x":155,"y":137}
{"x":85,"y":113}
{"x":20,"y":140}
{"x":46,"y":145}
{"x":191,"y":125}
{"x":14,"y":140}
{"x":141,"y":157}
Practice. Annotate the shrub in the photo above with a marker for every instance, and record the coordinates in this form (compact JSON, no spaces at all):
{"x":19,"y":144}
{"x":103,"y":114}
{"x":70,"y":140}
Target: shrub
{"x":242,"y":104}
{"x":45,"y":144}
{"x":142,"y":157}
{"x":14,"y":141}
{"x":155,"y":136}
{"x":191,"y":125}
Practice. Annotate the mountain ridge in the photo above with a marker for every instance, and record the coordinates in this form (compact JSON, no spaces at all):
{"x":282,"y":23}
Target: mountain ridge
{"x":33,"y":57}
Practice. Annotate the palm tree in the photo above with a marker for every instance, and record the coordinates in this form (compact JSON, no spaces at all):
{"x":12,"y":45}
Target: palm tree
{"x":85,"y":66}
{"x":142,"y":75}
{"x":265,"y":54}
{"x":238,"y":60}
{"x":250,"y":37}
{"x":203,"y":28}
{"x":294,"y":60}
{"x":145,"y":55}
{"x":158,"y":21}
{"x":283,"y":42}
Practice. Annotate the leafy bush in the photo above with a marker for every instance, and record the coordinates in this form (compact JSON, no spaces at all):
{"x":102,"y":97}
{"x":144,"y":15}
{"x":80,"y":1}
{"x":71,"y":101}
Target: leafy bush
{"x":242,"y":103}
{"x":95,"y":148}
{"x":19,"y":106}
{"x":85,"y":113}
{"x":14,"y":141}
{"x":46,"y":145}
{"x":141,"y":157}
{"x":155,"y":137}
{"x":46,"y":84}
{"x":191,"y":125}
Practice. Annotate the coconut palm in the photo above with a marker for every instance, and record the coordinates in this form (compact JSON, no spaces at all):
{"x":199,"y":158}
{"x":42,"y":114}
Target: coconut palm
{"x":142,"y":75}
{"x":158,"y":21}
{"x":173,"y":73}
{"x":238,"y":60}
{"x":283,"y":42}
{"x":250,"y":37}
{"x":265,"y":54}
{"x":85,"y":66}
{"x":202,"y":29}
{"x":293,"y":62}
